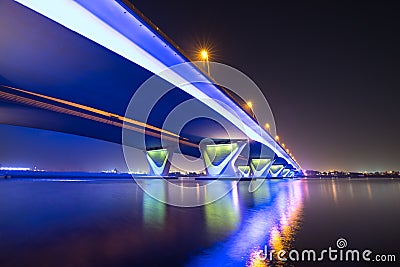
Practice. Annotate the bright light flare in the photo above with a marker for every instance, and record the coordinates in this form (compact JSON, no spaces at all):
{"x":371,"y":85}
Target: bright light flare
{"x":204,"y":54}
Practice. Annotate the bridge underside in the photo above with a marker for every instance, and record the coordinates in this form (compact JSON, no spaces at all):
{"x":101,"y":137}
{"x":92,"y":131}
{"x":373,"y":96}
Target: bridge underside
{"x":56,"y":62}
{"x":55,"y":79}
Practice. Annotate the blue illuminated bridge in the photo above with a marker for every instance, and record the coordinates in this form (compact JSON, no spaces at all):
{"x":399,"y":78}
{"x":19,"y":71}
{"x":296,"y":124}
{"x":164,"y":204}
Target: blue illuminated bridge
{"x":73,"y":67}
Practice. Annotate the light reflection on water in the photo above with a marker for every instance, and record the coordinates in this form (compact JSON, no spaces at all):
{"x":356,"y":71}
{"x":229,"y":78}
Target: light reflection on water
{"x":272,"y":221}
{"x":93,"y":223}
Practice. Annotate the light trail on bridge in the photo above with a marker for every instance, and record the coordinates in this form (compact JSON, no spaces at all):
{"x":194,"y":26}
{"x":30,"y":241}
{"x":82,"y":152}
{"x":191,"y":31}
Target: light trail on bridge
{"x":94,"y":110}
{"x":142,"y":126}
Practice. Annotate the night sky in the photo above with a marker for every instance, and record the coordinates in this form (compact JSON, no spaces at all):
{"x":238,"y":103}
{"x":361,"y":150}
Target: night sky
{"x":330,"y":72}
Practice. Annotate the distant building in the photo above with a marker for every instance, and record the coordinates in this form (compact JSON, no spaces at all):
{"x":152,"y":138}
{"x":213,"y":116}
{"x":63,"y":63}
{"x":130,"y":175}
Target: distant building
{"x":312,"y":173}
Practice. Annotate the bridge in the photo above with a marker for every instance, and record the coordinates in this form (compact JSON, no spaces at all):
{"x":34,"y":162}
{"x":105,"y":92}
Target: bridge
{"x":73,"y":67}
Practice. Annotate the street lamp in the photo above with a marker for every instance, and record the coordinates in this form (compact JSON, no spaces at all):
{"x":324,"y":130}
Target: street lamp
{"x":250,"y":104}
{"x":204,"y":56}
{"x":267,"y":126}
{"x":277,"y":138}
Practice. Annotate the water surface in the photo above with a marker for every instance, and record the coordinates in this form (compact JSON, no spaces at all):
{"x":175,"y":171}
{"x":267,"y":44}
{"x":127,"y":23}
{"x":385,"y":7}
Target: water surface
{"x":113,"y":223}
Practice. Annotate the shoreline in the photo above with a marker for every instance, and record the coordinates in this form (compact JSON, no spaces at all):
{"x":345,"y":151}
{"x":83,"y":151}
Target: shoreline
{"x":7,"y":175}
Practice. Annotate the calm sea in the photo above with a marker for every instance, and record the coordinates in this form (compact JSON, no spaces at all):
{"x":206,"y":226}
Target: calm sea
{"x":113,"y":223}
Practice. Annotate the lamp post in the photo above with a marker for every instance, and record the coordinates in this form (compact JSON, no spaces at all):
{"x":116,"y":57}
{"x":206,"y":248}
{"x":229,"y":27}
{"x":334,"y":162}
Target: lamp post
{"x":268,"y":127}
{"x":204,"y":56}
